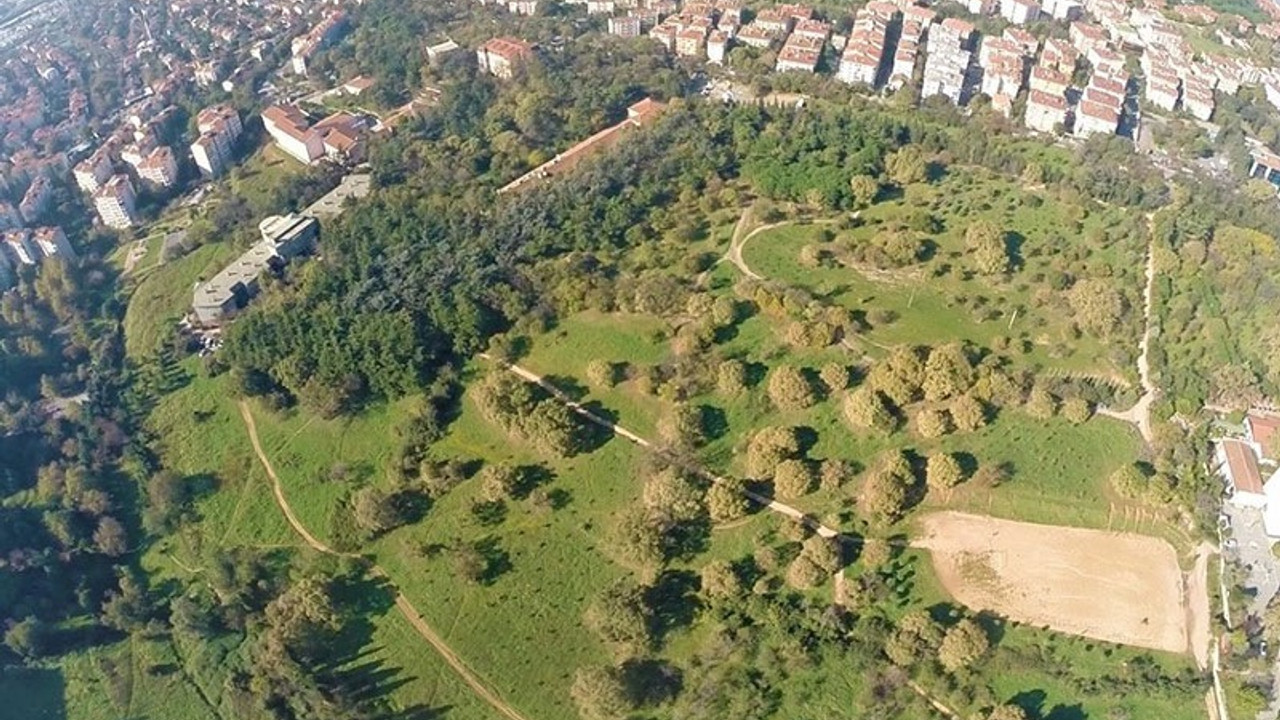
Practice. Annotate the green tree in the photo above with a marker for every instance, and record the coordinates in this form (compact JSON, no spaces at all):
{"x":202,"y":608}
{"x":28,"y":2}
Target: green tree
{"x":770,"y":446}
{"x":726,"y":501}
{"x":600,"y":694}
{"x":110,"y":537}
{"x":943,"y":472}
{"x":887,"y":487}
{"x":792,"y":479}
{"x":864,"y":190}
{"x":986,"y":247}
{"x":964,"y":643}
{"x":1076,"y":410}
{"x":790,"y":389}
{"x":499,"y":481}
{"x":932,"y":422}
{"x":719,"y":581}
{"x":684,"y":426}
{"x":866,"y":409}
{"x":621,"y":617}
{"x":907,"y":165}
{"x":28,"y":639}
{"x":603,"y":374}
{"x":1041,"y":404}
{"x":640,"y":538}
{"x":835,"y":377}
{"x":375,"y":511}
{"x":673,"y":496}
{"x":731,"y":377}
{"x":947,"y":372}
{"x":1129,"y":481}
{"x":968,"y":413}
{"x":1097,"y":307}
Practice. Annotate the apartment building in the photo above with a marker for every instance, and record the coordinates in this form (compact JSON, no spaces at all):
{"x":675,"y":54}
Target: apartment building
{"x":93,"y":171}
{"x":36,"y":200}
{"x":502,"y":55}
{"x":219,"y":127}
{"x":116,"y":203}
{"x":159,"y":168}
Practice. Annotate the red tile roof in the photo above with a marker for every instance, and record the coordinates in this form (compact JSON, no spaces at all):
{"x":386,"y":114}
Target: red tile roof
{"x":1242,"y":465}
{"x":1264,"y":427}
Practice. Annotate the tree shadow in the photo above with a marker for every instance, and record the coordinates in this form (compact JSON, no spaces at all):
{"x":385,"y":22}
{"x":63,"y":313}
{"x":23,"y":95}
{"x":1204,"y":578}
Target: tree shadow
{"x":1013,"y":241}
{"x":993,"y":625}
{"x":755,"y":373}
{"x":594,"y":435}
{"x":715,"y":423}
{"x":808,"y":438}
{"x":649,"y":682}
{"x":489,"y":514}
{"x":674,"y":600}
{"x":411,"y":505}
{"x":569,"y":386}
{"x":530,"y":478}
{"x":497,"y":561}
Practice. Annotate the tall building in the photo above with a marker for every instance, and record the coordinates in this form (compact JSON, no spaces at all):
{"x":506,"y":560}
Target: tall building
{"x":36,"y":200}
{"x":219,"y":128}
{"x":320,"y":36}
{"x":500,"y":56}
{"x":159,"y":168}
{"x":116,"y":203}
{"x":94,"y":170}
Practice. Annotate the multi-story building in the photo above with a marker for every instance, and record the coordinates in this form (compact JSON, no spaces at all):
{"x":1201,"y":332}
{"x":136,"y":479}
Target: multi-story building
{"x":864,"y":54}
{"x":219,"y":128}
{"x":501,"y":56}
{"x":19,"y":248}
{"x":116,"y":203}
{"x":717,"y":47}
{"x":1059,"y":55}
{"x":1197,"y":97}
{"x":228,"y":292}
{"x":1045,"y":112}
{"x":52,"y":242}
{"x":36,"y":200}
{"x":947,"y":60}
{"x":292,"y":133}
{"x":1048,"y":80}
{"x":627,"y":26}
{"x":1094,"y":118}
{"x":320,"y":36}
{"x":159,"y":168}
{"x":691,"y":42}
{"x":799,"y":54}
{"x":1020,"y":12}
{"x":93,"y":171}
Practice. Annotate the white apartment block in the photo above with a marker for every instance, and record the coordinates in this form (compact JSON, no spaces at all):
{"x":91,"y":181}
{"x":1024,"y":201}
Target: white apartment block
{"x":1093,"y":118}
{"x":1020,"y":12}
{"x":93,"y":171}
{"x":116,"y":203}
{"x":160,"y":168}
{"x":293,"y":134}
{"x":219,"y":128}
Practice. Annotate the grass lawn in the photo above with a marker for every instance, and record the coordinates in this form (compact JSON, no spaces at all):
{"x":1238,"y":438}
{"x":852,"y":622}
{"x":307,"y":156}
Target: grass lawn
{"x":264,"y":169}
{"x":927,"y":306}
{"x":161,"y":299}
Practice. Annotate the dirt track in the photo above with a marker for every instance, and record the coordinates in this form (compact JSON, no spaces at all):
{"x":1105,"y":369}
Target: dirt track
{"x":405,"y":607}
{"x":1108,"y":586}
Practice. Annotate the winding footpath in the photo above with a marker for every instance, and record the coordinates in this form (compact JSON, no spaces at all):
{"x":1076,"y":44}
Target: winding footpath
{"x":1140,"y":413}
{"x":402,"y":603}
{"x":755,"y":497}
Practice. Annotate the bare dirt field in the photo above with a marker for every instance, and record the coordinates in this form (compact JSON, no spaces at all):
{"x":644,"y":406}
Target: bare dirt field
{"x":1116,"y":587}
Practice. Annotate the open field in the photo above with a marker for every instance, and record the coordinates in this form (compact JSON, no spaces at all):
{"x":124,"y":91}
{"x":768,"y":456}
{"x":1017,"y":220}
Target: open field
{"x":931,"y":301}
{"x":164,"y":296}
{"x":1119,"y":588}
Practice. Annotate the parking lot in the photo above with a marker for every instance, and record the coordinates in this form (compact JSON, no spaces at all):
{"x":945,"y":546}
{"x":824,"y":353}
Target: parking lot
{"x":1251,"y":550}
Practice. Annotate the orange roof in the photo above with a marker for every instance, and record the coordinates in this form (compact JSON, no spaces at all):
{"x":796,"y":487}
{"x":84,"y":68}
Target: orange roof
{"x":1264,"y":427}
{"x":1242,"y":465}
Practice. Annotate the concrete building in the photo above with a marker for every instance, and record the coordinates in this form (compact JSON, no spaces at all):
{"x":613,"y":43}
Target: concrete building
{"x":1094,"y":118}
{"x":1020,"y":12}
{"x":320,"y":36}
{"x":501,"y":56}
{"x":717,"y":47}
{"x":799,"y":54}
{"x":947,"y":60}
{"x":219,"y":127}
{"x":691,"y":42}
{"x":116,"y":203}
{"x":36,"y":200}
{"x":93,"y":171}
{"x":1265,"y":165}
{"x":627,"y":26}
{"x":224,"y":295}
{"x":293,"y":134}
{"x":31,"y":247}
{"x":160,"y":168}
{"x":1045,"y":112}
{"x":864,"y":55}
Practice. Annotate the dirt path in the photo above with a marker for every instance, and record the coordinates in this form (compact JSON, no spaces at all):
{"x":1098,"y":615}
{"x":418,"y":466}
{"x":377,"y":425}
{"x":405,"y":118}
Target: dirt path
{"x":1196,"y":592}
{"x":403,"y":604}
{"x":765,"y":502}
{"x":736,"y":245}
{"x":1140,"y":413}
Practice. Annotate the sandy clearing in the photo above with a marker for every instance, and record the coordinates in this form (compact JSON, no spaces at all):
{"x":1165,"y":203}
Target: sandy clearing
{"x":1109,"y":586}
